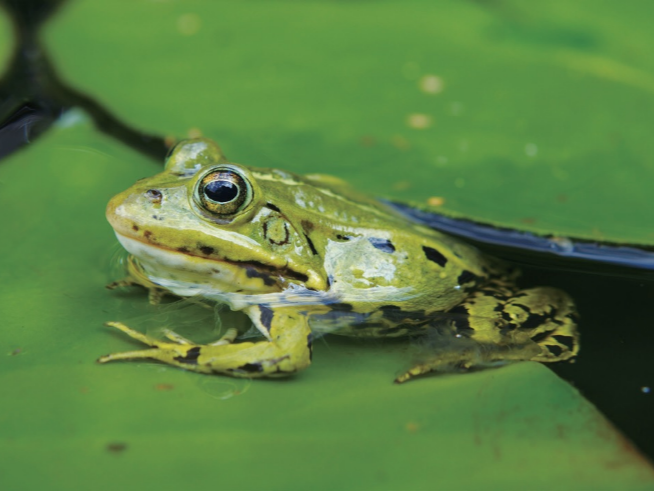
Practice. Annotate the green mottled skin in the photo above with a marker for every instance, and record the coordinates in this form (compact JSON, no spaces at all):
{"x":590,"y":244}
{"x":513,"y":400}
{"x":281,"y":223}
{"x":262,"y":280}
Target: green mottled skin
{"x":307,"y":254}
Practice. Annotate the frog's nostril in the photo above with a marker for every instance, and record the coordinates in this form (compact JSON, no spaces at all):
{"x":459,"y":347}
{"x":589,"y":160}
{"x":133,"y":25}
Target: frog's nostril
{"x":154,"y":195}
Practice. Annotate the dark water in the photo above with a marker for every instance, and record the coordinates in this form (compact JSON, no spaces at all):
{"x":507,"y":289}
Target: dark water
{"x":615,"y":369}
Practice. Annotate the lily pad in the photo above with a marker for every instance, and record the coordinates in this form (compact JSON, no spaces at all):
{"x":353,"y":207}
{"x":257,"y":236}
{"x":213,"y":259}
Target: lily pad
{"x":68,"y":423}
{"x":534,"y":117}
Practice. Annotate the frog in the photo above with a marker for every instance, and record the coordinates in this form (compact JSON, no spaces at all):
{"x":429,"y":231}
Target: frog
{"x":308,"y":255}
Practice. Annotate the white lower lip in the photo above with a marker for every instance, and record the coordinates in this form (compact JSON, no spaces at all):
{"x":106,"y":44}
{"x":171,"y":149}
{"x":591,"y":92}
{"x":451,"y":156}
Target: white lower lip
{"x":153,"y":254}
{"x":182,"y":274}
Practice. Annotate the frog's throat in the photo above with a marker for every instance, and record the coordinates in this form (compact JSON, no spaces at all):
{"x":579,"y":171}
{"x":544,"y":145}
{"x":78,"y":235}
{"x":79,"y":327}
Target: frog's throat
{"x":187,"y":274}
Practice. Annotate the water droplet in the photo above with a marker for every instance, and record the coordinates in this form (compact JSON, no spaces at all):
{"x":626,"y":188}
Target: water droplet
{"x":224,"y":388}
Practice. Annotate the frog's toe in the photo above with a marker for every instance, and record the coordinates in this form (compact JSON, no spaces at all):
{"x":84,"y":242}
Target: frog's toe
{"x":173,"y":336}
{"x":155,"y":343}
{"x":444,"y":363}
{"x":120,"y":283}
{"x":129,"y":355}
{"x":409,"y":374}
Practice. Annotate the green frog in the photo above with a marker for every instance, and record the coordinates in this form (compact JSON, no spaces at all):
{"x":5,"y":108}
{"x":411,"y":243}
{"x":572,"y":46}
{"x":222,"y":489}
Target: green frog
{"x":308,"y":255}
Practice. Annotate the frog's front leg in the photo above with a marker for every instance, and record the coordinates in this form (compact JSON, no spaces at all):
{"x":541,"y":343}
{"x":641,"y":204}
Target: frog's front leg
{"x":287,"y":351}
{"x":136,"y":277}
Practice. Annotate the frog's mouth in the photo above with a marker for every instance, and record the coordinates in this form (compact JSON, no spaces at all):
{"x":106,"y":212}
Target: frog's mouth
{"x":186,"y":274}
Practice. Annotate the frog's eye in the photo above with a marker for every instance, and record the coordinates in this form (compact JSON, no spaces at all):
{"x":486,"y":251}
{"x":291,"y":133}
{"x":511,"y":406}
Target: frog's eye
{"x":224,"y":192}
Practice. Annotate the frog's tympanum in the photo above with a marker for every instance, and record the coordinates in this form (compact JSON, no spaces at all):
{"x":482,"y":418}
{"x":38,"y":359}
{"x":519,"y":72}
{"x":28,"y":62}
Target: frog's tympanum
{"x":306,"y":255}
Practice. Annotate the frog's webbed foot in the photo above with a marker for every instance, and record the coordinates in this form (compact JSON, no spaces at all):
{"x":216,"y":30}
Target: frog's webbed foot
{"x":288,"y":352}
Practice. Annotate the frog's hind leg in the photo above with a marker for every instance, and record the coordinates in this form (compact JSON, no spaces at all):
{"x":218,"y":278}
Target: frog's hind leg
{"x":499,"y":324}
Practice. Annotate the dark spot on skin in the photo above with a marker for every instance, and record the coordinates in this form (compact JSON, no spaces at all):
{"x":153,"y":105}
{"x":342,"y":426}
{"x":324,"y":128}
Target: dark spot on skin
{"x":435,"y":256}
{"x":390,"y":311}
{"x":343,"y":237}
{"x":497,"y":296}
{"x":461,"y":319}
{"x":307,"y":226}
{"x":147,"y":234}
{"x":273,"y":207}
{"x":191,"y":356}
{"x":157,"y":217}
{"x":279,"y":272}
{"x":567,"y":341}
{"x":533,"y":321}
{"x":135,"y":228}
{"x":523,"y":307}
{"x":206,"y":250}
{"x":311,"y":246}
{"x":251,"y":368}
{"x":555,"y":350}
{"x":383,"y":245}
{"x":539,"y":337}
{"x":284,"y":272}
{"x":183,"y":250}
{"x":466,"y":277}
{"x":507,"y":317}
{"x":342,"y":307}
{"x":266,"y":316}
{"x":251,"y":272}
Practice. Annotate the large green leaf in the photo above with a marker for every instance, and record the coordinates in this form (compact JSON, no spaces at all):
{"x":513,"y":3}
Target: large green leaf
{"x":534,"y":115}
{"x":68,"y":423}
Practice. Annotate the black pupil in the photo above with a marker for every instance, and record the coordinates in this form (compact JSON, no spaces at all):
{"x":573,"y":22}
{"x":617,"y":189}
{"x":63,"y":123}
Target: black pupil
{"x":221,"y":191}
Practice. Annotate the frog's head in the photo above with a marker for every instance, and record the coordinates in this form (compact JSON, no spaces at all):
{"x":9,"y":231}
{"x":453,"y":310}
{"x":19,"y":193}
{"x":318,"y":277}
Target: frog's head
{"x":204,"y":220}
